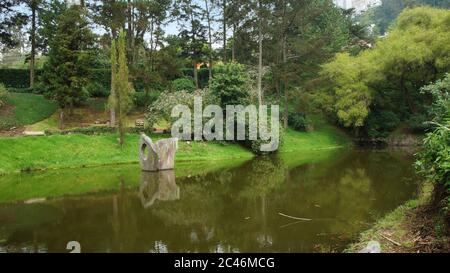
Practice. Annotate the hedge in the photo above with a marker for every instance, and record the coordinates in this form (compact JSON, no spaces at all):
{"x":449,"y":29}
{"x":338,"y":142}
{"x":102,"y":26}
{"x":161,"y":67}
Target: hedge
{"x":95,"y":130}
{"x":16,"y":78}
{"x":20,"y":78}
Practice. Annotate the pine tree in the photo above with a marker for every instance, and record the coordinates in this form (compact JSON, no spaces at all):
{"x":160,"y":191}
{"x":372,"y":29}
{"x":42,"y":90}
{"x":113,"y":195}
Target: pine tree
{"x":66,"y":71}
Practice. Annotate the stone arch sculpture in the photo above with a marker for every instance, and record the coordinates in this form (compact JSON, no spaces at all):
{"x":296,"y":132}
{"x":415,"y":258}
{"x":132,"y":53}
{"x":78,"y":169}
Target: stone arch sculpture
{"x":157,"y":156}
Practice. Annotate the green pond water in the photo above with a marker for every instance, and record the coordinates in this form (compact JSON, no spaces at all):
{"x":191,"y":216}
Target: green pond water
{"x":233,"y":206}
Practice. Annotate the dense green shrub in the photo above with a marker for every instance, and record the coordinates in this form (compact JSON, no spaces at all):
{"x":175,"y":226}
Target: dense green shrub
{"x":95,"y":89}
{"x":230,"y":84}
{"x":3,"y":93}
{"x":380,"y":124}
{"x":203,"y":75}
{"x":20,"y":79}
{"x":255,"y":145}
{"x":418,"y":123}
{"x":101,"y":77}
{"x":183,"y":84}
{"x":440,"y":92}
{"x":434,"y":159}
{"x":94,"y":130}
{"x":161,"y":109}
{"x":145,"y":99}
{"x":299,"y":122}
{"x":16,"y":78}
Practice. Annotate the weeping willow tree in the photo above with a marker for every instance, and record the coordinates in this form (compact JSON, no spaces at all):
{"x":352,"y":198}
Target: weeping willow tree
{"x":121,"y":98}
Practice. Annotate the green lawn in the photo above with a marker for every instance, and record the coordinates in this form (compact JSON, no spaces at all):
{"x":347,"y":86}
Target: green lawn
{"x":324,"y":136}
{"x":68,"y":151}
{"x":76,"y":150}
{"x":25,"y":109}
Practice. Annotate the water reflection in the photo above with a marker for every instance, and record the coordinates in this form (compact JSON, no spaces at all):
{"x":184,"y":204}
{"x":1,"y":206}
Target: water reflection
{"x":158,"y":186}
{"x":229,"y":209}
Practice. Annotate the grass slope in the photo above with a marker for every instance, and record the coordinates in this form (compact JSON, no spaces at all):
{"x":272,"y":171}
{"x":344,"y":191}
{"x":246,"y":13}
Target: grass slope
{"x":26,"y":109}
{"x":68,"y":151}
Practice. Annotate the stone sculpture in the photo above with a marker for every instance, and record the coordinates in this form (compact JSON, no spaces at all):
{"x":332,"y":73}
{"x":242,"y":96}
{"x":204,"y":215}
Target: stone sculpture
{"x":157,"y":156}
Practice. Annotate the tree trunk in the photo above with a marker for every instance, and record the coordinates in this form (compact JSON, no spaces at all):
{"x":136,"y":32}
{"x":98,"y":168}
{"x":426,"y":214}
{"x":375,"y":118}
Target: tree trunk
{"x":224,"y":26}
{"x":61,"y":119}
{"x":233,"y":48}
{"x":151,"y":43}
{"x":196,"y":75}
{"x":285,"y":86}
{"x":130,"y":31}
{"x":260,"y":58}
{"x":208,"y":17}
{"x":33,"y":41}
{"x":112,"y":110}
{"x":121,"y":128}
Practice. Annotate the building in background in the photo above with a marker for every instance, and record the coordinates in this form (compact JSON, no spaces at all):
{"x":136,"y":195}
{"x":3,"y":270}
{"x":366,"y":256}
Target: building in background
{"x":358,"y":5}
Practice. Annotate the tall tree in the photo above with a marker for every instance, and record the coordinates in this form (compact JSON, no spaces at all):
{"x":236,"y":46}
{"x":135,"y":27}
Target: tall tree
{"x":304,"y":34}
{"x":33,"y":5}
{"x":122,"y":86}
{"x":224,"y":27}
{"x":66,"y":71}
{"x":111,"y":15}
{"x":192,"y":31}
{"x":208,"y":8}
{"x":260,"y":49}
{"x":48,"y":23}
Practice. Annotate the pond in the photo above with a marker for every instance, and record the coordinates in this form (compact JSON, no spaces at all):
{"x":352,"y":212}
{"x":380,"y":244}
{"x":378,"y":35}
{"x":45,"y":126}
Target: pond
{"x":233,"y":206}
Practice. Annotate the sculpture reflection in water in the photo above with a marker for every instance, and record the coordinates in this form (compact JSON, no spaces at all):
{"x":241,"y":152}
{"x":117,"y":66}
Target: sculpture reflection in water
{"x":158,"y":186}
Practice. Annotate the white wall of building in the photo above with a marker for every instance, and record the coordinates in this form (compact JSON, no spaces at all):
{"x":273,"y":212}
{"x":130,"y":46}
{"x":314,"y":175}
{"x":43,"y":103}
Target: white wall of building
{"x":358,"y":5}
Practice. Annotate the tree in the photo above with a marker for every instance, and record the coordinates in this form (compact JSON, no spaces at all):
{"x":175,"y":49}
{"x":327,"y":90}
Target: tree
{"x":230,"y":84}
{"x":122,"y":97}
{"x":48,"y":23}
{"x":385,"y":14}
{"x":224,"y":28}
{"x":207,"y":10}
{"x":10,"y":17}
{"x":66,"y":71}
{"x":352,"y":96}
{"x":384,"y":83}
{"x":305,"y":34}
{"x":192,"y":31}
{"x":33,"y":5}
{"x":260,"y":50}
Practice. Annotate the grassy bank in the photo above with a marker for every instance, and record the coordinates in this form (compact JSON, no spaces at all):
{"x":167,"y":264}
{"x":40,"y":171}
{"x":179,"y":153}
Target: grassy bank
{"x":69,"y":151}
{"x":23,"y":109}
{"x":324,"y":136}
{"x":407,"y":229}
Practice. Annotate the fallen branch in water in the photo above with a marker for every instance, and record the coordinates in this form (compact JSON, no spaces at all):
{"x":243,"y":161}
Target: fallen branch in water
{"x":390,"y":240}
{"x":295,"y":218}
